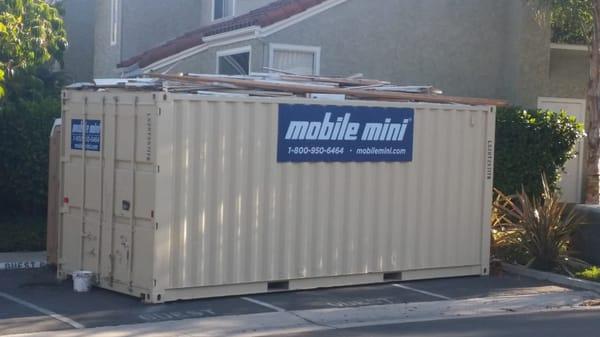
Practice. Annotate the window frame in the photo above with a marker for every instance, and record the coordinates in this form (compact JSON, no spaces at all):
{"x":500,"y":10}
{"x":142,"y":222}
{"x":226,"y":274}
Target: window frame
{"x":214,"y":5}
{"x":234,"y":51}
{"x":114,"y":21}
{"x":316,"y":50}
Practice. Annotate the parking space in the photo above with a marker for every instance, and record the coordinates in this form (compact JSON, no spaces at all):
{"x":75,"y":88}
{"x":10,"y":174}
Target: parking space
{"x":476,"y":287}
{"x":16,"y":319}
{"x":345,"y":297}
{"x":104,"y":308}
{"x":34,"y":301}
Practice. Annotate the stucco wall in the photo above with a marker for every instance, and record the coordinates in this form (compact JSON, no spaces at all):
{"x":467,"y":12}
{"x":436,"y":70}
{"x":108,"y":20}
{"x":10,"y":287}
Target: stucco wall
{"x":569,"y":73}
{"x":106,"y":56}
{"x":79,"y":24}
{"x":244,"y":6}
{"x":456,"y":45}
{"x":149,"y":23}
{"x":241,"y":7}
{"x":483,"y":48}
{"x":480,"y":48}
{"x":206,"y":62}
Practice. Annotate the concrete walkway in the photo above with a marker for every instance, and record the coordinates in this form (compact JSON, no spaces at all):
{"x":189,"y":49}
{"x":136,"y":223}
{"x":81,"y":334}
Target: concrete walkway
{"x":22,"y":260}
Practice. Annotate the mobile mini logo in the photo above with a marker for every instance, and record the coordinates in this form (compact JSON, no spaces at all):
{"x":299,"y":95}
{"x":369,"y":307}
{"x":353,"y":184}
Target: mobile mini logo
{"x":341,"y":128}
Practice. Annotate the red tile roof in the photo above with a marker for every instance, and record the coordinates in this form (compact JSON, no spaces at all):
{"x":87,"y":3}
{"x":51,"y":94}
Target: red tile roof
{"x":264,"y":16}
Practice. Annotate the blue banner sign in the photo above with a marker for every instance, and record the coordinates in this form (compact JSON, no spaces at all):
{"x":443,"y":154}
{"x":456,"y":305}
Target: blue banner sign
{"x":93,"y":131}
{"x":317,"y":133}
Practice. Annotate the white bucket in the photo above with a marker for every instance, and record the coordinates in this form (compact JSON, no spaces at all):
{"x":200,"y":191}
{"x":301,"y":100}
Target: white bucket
{"x":82,"y":281}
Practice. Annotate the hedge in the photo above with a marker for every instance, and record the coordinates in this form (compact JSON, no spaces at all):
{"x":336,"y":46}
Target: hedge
{"x":532,"y":142}
{"x":27,"y":113}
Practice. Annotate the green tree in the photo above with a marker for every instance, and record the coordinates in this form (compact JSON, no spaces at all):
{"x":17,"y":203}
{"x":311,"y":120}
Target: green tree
{"x":572,"y":21}
{"x":31,"y":34}
{"x":579,"y":20}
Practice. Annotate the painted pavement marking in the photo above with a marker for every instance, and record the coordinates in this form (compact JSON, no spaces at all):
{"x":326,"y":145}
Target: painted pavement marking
{"x":264,"y":304}
{"x":41,"y":310}
{"x":421,"y":291}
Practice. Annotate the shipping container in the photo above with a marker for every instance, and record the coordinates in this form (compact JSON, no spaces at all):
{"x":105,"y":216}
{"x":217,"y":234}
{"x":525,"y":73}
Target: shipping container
{"x":169,"y":196}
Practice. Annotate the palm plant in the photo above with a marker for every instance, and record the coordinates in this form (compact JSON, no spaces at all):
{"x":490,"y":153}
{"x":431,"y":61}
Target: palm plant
{"x":540,"y":227}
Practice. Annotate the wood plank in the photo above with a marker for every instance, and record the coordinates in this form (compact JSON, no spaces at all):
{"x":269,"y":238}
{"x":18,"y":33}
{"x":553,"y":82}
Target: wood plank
{"x":304,"y":89}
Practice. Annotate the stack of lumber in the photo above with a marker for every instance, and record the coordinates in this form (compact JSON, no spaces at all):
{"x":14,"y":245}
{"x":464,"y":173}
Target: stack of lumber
{"x":278,"y":83}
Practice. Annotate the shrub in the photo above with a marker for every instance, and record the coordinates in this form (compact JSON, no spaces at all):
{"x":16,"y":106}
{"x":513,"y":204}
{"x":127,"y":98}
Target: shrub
{"x":532,"y":143}
{"x":592,"y":274}
{"x":540,"y":228}
{"x":22,"y":233}
{"x":27,"y":113}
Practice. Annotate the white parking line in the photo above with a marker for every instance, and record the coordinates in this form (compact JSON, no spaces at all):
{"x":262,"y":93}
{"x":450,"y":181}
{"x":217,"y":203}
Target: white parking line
{"x":41,"y":310}
{"x":264,"y":304}
{"x":421,"y":291}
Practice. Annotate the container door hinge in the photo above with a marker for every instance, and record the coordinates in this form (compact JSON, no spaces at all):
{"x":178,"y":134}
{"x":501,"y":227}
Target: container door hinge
{"x":154,"y":282}
{"x":157,"y":168}
{"x":159,"y":111}
{"x":156,"y":226}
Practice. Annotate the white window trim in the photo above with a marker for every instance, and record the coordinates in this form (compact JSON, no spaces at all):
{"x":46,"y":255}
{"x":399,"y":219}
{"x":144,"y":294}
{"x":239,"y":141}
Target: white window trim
{"x":293,"y":47}
{"x":566,"y":46}
{"x":212,"y":11}
{"x":114,"y":22}
{"x":228,"y":52}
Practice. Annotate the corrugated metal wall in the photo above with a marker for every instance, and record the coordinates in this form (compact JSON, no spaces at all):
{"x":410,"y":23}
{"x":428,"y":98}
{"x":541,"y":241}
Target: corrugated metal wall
{"x":229,"y":213}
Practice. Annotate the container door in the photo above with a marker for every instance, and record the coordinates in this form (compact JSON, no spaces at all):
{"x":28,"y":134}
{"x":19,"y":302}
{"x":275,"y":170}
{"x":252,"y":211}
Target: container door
{"x":128,"y":201}
{"x":82,"y":181}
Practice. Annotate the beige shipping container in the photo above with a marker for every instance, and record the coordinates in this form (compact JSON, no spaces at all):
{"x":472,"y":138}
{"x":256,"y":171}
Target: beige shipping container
{"x":181,"y":196}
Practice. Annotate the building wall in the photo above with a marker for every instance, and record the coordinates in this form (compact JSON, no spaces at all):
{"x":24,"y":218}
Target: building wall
{"x":244,"y":6}
{"x":206,"y":62}
{"x":495,"y":49}
{"x":144,"y":24}
{"x":240,"y":7}
{"x":481,"y":55}
{"x":149,"y":23}
{"x":569,"y":74}
{"x":79,"y":24}
{"x":106,"y":56}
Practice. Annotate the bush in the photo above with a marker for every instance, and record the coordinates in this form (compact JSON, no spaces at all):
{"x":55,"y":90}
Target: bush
{"x":22,"y":233}
{"x":532,"y":143}
{"x":536,"y":228}
{"x":27,"y":112}
{"x":592,"y":274}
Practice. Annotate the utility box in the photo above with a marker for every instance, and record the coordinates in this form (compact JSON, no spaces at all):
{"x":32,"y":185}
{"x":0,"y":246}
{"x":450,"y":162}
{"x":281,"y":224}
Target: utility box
{"x":170,"y":196}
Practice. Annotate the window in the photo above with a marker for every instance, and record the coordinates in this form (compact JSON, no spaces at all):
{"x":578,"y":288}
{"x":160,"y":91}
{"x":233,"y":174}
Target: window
{"x":114,"y":22}
{"x":302,"y":60}
{"x":234,"y":62}
{"x":223,"y":8}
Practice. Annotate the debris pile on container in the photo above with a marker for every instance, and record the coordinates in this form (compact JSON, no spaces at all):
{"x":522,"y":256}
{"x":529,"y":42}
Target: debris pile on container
{"x":279,"y":83}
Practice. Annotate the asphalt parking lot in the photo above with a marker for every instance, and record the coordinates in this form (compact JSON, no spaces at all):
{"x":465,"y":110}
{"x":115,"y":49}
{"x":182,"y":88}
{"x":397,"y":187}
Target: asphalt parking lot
{"x":33,"y":301}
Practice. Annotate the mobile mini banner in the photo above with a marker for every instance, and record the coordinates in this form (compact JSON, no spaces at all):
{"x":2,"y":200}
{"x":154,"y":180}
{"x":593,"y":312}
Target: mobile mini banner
{"x":93,"y":131}
{"x":319,"y":133}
